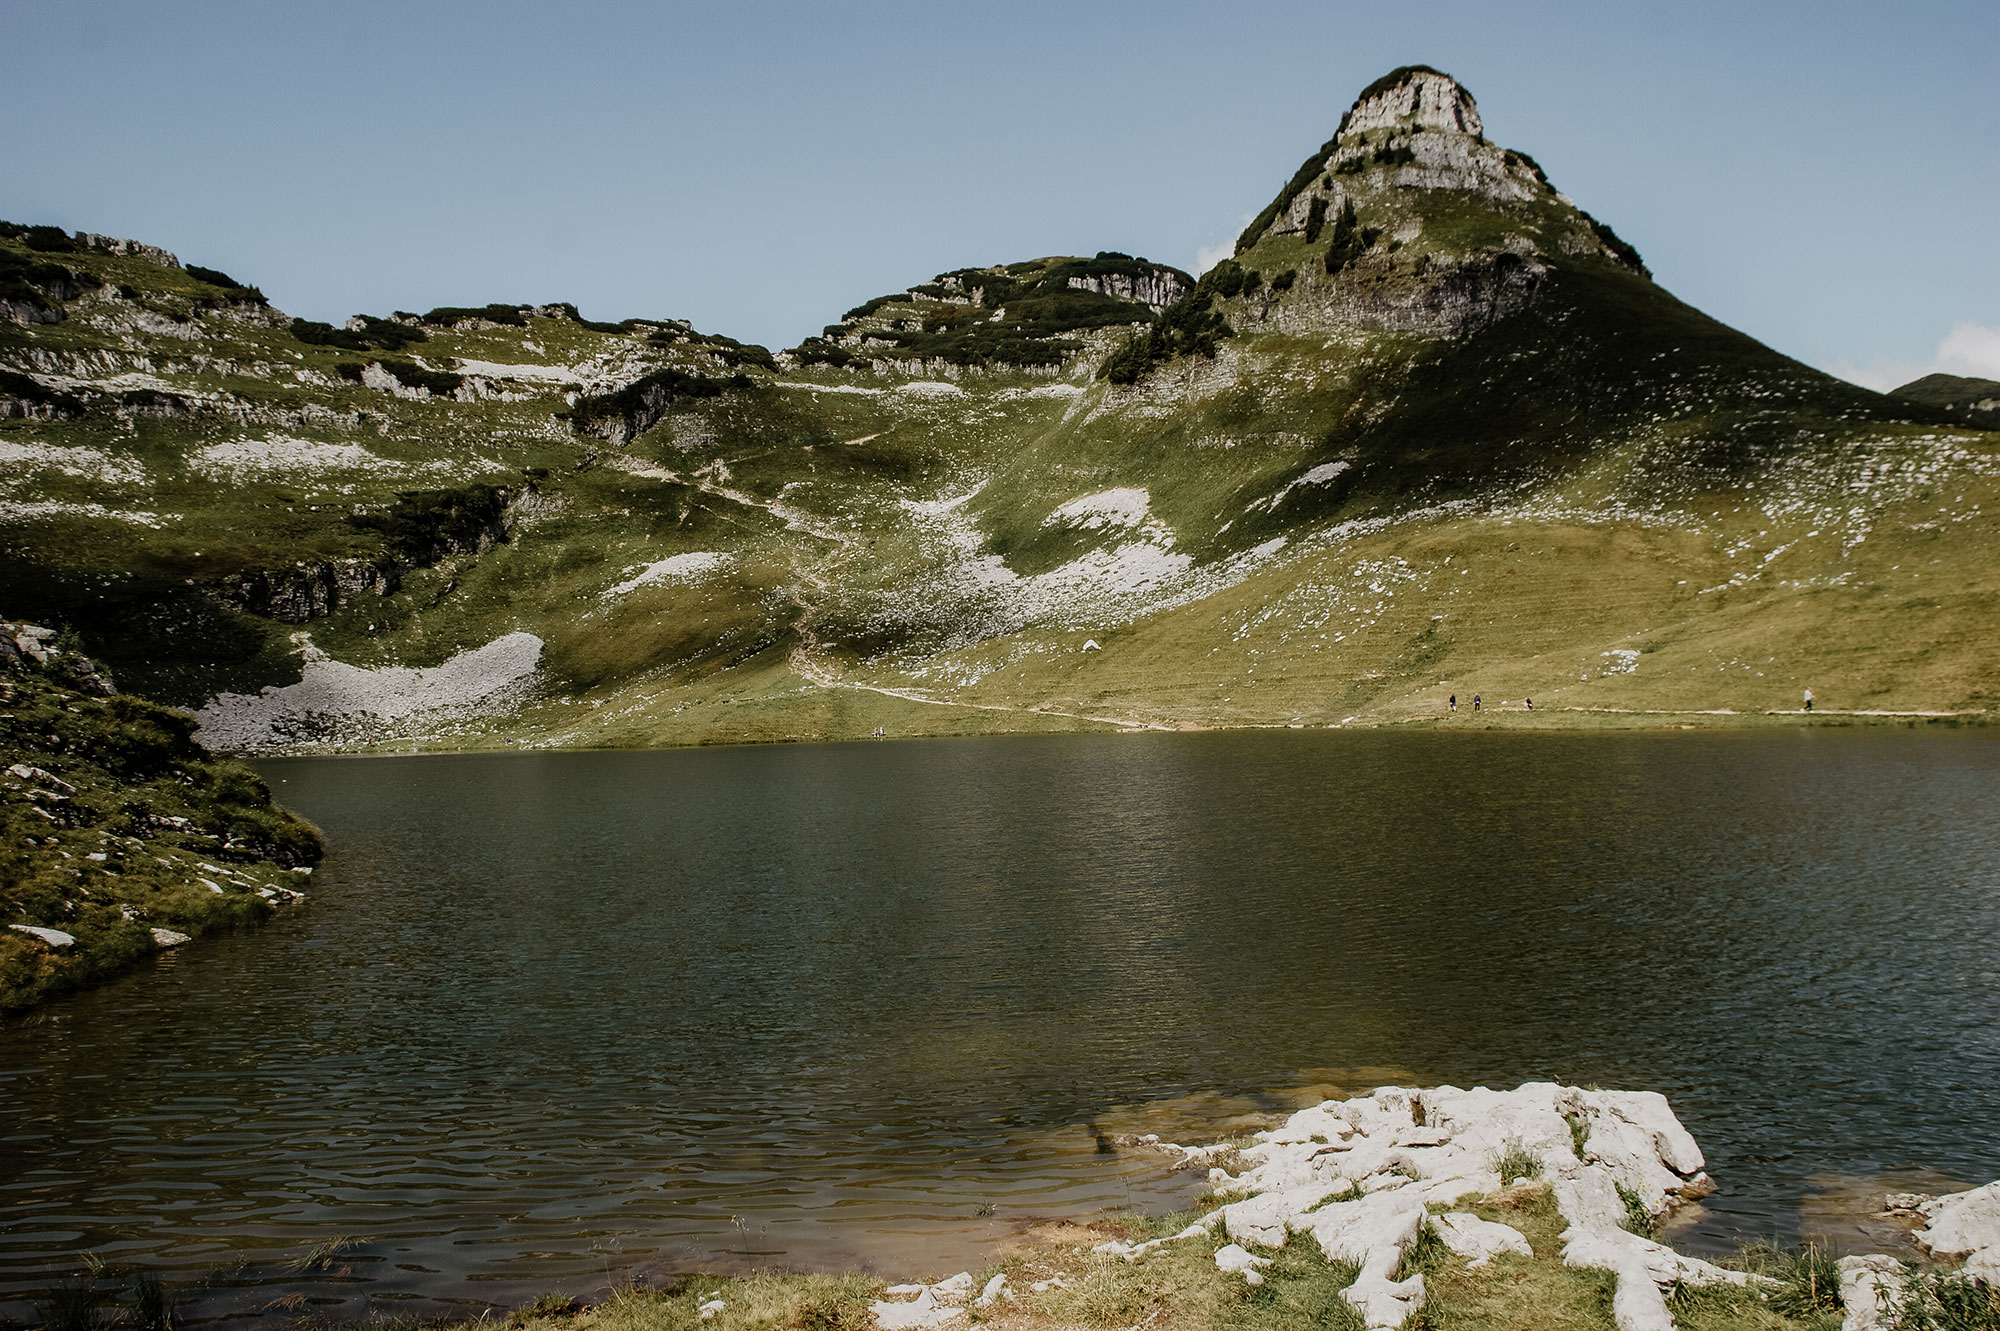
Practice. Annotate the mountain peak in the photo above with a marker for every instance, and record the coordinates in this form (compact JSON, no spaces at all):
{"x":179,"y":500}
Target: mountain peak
{"x":1413,"y":97}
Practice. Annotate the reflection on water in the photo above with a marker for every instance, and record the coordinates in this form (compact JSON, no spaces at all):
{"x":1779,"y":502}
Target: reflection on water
{"x":555,"y":1018}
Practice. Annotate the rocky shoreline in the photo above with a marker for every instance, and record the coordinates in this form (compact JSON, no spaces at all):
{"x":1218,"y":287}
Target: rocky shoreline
{"x":1373,"y":1179}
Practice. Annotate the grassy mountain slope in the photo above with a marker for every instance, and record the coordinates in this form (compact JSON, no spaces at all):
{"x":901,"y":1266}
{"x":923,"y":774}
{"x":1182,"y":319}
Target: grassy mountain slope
{"x":1976,"y":401}
{"x":1433,"y":430}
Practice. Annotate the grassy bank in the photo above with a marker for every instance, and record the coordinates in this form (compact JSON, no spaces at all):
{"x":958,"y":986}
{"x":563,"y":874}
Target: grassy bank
{"x":1176,"y":1286}
{"x":121,"y":834}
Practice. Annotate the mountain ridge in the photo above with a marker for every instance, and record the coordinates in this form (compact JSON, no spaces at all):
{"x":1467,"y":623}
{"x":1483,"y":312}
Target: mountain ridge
{"x":1431,"y":428}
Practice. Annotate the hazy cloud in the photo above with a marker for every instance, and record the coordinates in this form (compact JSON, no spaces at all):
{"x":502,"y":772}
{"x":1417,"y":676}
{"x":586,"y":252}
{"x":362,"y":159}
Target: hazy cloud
{"x":1208,"y":256}
{"x":1969,"y":349}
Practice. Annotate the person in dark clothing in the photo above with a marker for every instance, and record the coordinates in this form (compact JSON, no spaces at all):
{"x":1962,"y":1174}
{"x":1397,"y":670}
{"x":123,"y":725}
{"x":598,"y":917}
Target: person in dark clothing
{"x":1453,"y":704}
{"x":1475,"y":702}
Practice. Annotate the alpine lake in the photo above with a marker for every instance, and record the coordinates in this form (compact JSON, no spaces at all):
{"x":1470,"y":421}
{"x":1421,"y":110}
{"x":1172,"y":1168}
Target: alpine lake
{"x":554,"y":1021}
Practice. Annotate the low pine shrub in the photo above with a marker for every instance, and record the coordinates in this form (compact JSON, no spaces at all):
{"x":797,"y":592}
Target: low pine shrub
{"x":409,"y":375}
{"x":215,"y":277}
{"x":1315,"y":220}
{"x":49,"y":240}
{"x":1347,"y":242}
{"x":445,"y":316}
{"x":375,"y":334}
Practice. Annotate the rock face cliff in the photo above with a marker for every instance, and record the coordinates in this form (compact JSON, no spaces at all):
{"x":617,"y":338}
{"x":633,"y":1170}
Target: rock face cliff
{"x":1034,"y":315}
{"x":1415,"y":96}
{"x":1408,"y":220}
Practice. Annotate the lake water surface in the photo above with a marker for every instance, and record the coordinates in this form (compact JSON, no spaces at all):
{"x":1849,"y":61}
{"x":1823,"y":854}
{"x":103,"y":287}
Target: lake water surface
{"x":554,"y":1020}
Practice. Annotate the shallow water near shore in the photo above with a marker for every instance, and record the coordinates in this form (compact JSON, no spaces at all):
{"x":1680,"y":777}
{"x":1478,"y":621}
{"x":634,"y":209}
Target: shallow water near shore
{"x":552,"y":1020}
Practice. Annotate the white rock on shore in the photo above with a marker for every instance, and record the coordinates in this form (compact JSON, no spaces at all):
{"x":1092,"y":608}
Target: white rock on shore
{"x":1965,"y":1224}
{"x":1871,"y":1290}
{"x":1479,"y":1240}
{"x":934,"y":1305}
{"x":1361,"y":1176}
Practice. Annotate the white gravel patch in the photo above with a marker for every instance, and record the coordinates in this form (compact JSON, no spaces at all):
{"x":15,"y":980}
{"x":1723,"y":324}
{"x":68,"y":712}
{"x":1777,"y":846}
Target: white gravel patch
{"x":21,"y":459}
{"x":828,"y":388}
{"x":334,"y":699}
{"x":11,"y":511}
{"x":690,"y":567}
{"x":548,"y":374}
{"x":283,"y":455}
{"x":1039,"y":391}
{"x":930,"y":388}
{"x":1127,"y":506}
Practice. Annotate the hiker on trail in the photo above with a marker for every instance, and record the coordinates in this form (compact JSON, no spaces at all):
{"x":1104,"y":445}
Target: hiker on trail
{"x":1454,"y":702}
{"x":1808,"y":700}
{"x":1528,"y":703}
{"x":1475,"y":702}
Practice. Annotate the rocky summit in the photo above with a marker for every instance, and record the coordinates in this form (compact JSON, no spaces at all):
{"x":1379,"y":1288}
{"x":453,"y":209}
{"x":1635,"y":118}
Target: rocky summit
{"x":1431,"y":441}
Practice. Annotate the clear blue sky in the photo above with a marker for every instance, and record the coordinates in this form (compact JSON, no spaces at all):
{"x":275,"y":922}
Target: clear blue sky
{"x":1825,"y":176}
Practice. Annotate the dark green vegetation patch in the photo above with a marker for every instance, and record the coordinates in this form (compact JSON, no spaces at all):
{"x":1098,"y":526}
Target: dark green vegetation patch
{"x":1022,"y":314}
{"x":114,"y":823}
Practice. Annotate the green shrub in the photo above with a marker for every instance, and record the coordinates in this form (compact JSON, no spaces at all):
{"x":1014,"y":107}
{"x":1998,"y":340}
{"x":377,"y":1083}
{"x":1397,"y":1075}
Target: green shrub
{"x":351,"y":370}
{"x":49,"y":240}
{"x":215,"y":277}
{"x":375,"y":334}
{"x":1638,"y":1218}
{"x":35,"y":281}
{"x":868,"y":307}
{"x":1297,"y":185}
{"x":1400,"y":155}
{"x":641,"y":396}
{"x":1315,"y":219}
{"x":1347,"y":242}
{"x":1945,"y":1301}
{"x":410,"y":375}
{"x":1283,"y":281}
{"x":1395,"y":78}
{"x":1188,"y":327}
{"x":444,"y":316}
{"x":820,"y":351}
{"x":1522,"y":159}
{"x":423,"y":526}
{"x":1626,"y":254}
{"x":1516,"y":1161}
{"x":736,"y":353}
